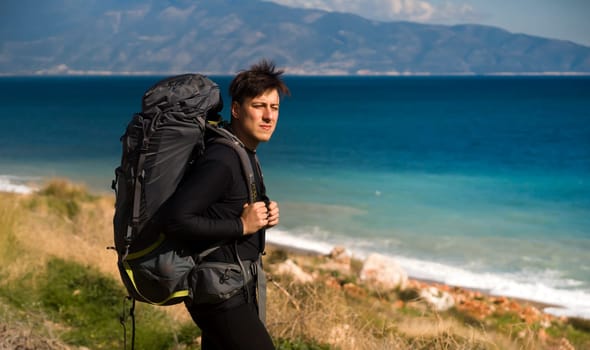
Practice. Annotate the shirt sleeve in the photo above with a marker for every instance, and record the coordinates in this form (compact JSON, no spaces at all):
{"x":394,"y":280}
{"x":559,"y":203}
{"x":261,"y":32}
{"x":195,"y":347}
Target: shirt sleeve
{"x":189,"y":211}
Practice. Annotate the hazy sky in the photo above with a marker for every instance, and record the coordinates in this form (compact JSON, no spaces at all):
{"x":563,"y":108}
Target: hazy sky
{"x":557,"y":19}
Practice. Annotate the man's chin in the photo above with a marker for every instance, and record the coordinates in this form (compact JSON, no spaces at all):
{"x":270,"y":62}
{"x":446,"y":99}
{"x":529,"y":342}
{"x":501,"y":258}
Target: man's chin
{"x":264,"y":138}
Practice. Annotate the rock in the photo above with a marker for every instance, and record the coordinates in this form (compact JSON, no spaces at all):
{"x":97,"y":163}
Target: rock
{"x":338,"y":260}
{"x":331,"y":265}
{"x":340,"y":255}
{"x":288,"y":267}
{"x":399,"y":304}
{"x":530,"y":314}
{"x":383,"y":273}
{"x":354,"y":291}
{"x":333,"y":283}
{"x":564,"y":344}
{"x":542,"y":335}
{"x":476,"y":308}
{"x":437,"y":299}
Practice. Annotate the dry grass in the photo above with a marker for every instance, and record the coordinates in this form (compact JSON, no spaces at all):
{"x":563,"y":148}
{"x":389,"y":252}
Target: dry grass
{"x":64,"y":221}
{"x":42,"y":225}
{"x":10,"y":216}
{"x":347,"y":319}
{"x":330,"y":317}
{"x":46,"y":226}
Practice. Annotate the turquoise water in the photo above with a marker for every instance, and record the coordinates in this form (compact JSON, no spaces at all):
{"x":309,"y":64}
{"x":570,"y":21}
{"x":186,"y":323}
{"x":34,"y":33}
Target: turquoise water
{"x":479,"y":182}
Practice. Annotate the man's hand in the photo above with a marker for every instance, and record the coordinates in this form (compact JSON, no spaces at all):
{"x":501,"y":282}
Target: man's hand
{"x":259,"y":215}
{"x":273,"y":214}
{"x":254,"y":217}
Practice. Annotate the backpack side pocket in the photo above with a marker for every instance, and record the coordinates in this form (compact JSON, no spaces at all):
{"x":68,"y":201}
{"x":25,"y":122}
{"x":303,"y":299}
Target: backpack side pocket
{"x":159,"y":274}
{"x":214,"y":282}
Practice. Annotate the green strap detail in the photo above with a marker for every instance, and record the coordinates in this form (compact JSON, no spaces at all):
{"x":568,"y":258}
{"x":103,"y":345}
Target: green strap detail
{"x":178,"y":294}
{"x":145,"y":251}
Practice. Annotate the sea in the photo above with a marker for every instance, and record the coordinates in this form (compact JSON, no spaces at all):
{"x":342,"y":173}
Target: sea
{"x":479,"y":182}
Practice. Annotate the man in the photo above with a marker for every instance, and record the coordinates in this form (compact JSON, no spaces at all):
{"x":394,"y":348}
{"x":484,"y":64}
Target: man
{"x":211,"y":206}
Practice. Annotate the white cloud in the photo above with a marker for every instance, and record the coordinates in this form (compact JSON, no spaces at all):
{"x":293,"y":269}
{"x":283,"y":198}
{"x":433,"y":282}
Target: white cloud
{"x":452,"y":12}
{"x":172,"y":13}
{"x":393,"y":10}
{"x":117,"y":16}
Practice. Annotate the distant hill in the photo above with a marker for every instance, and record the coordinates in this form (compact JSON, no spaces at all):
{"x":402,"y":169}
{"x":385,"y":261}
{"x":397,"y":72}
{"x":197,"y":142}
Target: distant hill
{"x":224,"y":36}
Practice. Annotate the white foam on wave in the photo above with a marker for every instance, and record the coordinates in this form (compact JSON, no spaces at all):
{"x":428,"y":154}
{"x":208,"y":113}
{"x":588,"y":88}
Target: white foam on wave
{"x":280,"y":237}
{"x":539,"y":287}
{"x":10,"y":183}
{"x":543,"y":286}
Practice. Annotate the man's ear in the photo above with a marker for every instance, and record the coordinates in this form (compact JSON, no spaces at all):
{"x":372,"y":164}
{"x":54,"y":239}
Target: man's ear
{"x":235,"y":108}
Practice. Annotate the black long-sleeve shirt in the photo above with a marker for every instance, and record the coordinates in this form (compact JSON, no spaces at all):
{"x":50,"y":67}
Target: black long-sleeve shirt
{"x":205,"y":209}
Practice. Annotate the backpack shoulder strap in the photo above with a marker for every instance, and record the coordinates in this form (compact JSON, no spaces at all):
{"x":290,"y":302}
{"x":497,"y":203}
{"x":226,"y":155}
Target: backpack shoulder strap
{"x":229,"y":139}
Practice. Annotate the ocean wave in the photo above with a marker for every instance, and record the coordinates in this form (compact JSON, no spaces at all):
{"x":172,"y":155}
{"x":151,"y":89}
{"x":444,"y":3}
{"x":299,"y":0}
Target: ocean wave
{"x":283,"y":238}
{"x":545,"y":287}
{"x":538,"y":287}
{"x":16,"y":184}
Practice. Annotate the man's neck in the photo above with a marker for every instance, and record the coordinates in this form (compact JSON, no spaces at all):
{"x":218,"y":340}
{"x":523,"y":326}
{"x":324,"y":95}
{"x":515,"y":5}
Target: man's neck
{"x":251,"y":146}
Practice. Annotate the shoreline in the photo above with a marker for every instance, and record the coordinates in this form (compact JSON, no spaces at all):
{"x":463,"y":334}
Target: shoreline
{"x":321,"y":249}
{"x":421,"y":283}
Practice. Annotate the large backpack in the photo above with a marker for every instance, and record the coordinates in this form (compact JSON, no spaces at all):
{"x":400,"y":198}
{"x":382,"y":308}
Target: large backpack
{"x":158,"y":145}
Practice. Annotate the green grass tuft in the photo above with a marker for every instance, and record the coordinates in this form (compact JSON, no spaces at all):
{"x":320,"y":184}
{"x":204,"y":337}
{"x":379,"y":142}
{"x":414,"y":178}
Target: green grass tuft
{"x":62,"y":197}
{"x":90,"y":307}
{"x":575,"y":331}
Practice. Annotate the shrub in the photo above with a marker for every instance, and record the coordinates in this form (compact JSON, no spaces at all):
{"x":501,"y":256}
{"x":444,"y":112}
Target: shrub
{"x":62,"y":197}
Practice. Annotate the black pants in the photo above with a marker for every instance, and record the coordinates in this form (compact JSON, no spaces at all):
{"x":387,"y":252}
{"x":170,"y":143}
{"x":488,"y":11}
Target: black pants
{"x":234,"y":324}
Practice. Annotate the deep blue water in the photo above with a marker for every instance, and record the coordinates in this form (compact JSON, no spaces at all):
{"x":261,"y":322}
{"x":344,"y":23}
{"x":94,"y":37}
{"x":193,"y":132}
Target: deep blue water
{"x":475,"y":181}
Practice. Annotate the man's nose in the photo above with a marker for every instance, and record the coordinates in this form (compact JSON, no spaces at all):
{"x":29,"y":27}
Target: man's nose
{"x":267,"y":114}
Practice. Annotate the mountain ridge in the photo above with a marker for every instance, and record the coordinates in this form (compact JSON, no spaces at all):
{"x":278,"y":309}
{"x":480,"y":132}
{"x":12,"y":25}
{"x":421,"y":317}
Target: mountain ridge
{"x":222,"y":37}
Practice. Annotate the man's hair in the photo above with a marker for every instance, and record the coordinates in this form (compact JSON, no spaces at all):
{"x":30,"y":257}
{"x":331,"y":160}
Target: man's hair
{"x":253,"y":82}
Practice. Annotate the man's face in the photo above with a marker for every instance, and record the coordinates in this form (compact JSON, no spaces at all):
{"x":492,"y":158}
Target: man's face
{"x":255,"y":119}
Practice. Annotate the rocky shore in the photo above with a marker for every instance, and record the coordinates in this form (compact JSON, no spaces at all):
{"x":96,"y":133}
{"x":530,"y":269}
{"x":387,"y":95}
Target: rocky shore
{"x":382,"y":275}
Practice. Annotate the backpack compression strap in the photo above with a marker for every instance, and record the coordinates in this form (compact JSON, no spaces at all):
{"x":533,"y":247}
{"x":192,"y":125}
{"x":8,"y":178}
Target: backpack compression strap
{"x":138,"y":180}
